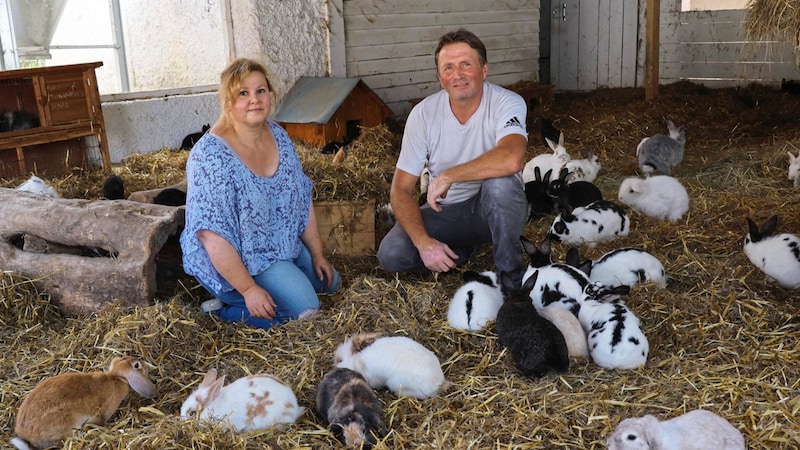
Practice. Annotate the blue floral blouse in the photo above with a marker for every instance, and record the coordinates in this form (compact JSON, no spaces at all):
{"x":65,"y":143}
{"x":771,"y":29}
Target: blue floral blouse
{"x":262,"y":217}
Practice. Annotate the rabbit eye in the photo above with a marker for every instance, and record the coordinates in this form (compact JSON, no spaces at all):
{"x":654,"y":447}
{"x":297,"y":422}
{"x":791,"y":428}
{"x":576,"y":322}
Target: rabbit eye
{"x":631,"y":437}
{"x":137,"y":365}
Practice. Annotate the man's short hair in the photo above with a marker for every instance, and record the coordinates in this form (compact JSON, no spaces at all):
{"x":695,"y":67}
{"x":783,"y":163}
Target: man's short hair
{"x":461,"y":35}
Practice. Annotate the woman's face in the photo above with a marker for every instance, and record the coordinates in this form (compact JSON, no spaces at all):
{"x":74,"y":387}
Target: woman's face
{"x":252,"y":102}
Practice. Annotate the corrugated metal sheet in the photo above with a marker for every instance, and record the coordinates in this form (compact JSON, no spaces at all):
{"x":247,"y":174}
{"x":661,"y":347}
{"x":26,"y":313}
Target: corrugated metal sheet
{"x":314,"y":99}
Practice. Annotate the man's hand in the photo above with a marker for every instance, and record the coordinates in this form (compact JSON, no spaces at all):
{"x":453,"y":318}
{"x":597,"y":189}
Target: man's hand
{"x":437,"y":188}
{"x":438,"y":257}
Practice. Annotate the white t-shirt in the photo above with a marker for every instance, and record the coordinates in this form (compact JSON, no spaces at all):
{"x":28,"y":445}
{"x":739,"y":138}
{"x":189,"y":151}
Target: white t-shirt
{"x":434,"y":136}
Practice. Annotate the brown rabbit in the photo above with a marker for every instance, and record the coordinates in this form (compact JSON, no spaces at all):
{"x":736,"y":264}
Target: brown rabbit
{"x":60,"y":404}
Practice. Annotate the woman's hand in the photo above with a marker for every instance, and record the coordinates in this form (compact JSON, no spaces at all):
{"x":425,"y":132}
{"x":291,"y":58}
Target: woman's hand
{"x":259,"y":302}
{"x":323,"y":267}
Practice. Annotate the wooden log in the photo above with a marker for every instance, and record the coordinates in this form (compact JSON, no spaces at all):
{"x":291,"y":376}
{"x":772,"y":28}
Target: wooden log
{"x":85,"y":253}
{"x":149,"y":195}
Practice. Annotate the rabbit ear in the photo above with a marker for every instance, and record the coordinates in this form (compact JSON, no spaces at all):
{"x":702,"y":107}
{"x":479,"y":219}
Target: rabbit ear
{"x":547,"y":175}
{"x":752,"y":228}
{"x":550,"y":144}
{"x":573,"y":258}
{"x":215,"y":389}
{"x":563,"y":174}
{"x":560,"y":139}
{"x":537,"y":173}
{"x":769,"y":226}
{"x":211,"y":375}
{"x":138,"y":381}
{"x":364,"y":340}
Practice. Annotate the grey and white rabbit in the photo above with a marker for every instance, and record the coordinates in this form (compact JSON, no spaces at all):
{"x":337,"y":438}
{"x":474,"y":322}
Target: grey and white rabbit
{"x":476,"y":302}
{"x":778,"y":256}
{"x":615,"y":336}
{"x":660,"y":153}
{"x":536,"y":346}
{"x":350,"y":408}
{"x":599,"y":221}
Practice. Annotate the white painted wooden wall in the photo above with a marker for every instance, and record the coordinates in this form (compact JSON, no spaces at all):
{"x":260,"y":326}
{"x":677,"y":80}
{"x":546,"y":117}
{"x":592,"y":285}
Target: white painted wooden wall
{"x":710,"y":47}
{"x":390,"y":44}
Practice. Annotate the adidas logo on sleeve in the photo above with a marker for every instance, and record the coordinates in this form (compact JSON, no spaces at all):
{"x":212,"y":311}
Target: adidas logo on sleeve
{"x":513,"y":122}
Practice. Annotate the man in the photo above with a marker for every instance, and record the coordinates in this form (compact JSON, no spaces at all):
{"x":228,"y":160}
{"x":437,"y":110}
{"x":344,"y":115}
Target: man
{"x":472,"y":137}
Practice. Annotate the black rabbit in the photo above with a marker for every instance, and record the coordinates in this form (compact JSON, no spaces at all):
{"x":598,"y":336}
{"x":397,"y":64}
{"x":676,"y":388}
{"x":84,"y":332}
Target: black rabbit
{"x":113,"y":188}
{"x":540,"y":203}
{"x":572,"y":195}
{"x":535,"y":344}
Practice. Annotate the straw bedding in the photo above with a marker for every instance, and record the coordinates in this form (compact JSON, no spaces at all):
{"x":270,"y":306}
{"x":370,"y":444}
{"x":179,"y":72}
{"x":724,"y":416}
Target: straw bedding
{"x":722,"y":337}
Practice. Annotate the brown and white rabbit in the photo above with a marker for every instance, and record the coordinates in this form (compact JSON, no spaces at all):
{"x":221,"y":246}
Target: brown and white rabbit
{"x":60,"y":404}
{"x":250,"y":403}
{"x":399,"y":363}
{"x":350,"y":407}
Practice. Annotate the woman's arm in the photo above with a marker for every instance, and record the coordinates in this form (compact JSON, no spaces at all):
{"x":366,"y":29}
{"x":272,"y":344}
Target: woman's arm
{"x":227,"y":261}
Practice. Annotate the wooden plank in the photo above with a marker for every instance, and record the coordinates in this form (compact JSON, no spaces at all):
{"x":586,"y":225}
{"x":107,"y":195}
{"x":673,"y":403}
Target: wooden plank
{"x":652,"y":46}
{"x":373,"y":8}
{"x":609,"y":15}
{"x":628,"y":65}
{"x":367,"y":67}
{"x":496,"y":49}
{"x":452,"y":20}
{"x":744,"y":71}
{"x":489,"y":33}
{"x":588,"y":29}
{"x":705,"y":53}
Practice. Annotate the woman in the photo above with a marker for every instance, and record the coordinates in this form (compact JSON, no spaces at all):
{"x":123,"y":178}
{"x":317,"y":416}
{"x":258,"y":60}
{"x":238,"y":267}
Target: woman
{"x":251,"y":236}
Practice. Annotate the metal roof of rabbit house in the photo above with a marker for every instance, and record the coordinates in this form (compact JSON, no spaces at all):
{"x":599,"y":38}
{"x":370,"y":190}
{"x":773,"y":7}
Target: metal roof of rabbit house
{"x":319,"y":110}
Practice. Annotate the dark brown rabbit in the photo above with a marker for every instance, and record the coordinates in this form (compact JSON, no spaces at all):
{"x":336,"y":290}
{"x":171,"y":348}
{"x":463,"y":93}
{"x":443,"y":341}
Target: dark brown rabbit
{"x":349,"y":405}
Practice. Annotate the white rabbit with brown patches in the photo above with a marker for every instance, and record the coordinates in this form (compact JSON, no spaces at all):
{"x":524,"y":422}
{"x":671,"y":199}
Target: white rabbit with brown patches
{"x":250,"y":403}
{"x":399,"y":363}
{"x":60,"y":404}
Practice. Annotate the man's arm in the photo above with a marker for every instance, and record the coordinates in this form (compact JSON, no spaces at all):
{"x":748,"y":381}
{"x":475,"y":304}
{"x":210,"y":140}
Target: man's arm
{"x":507,"y":158}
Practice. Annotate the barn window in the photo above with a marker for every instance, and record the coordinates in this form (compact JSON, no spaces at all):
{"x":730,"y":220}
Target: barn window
{"x":144,"y":45}
{"x":712,"y":5}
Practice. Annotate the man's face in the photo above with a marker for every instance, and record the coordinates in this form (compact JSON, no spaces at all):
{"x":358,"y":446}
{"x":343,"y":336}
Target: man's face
{"x":460,"y":72}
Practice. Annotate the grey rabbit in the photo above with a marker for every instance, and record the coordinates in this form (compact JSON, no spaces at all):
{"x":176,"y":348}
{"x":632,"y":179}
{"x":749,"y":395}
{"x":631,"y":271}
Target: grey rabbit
{"x":349,"y":405}
{"x":659,"y":154}
{"x":535,"y":344}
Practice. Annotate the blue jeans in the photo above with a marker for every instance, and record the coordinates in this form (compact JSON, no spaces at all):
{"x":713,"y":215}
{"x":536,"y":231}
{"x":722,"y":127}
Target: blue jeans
{"x":293,"y":286}
{"x":497,"y":215}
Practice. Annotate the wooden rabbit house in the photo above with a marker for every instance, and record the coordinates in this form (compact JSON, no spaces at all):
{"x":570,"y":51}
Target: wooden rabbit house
{"x":321,"y":110}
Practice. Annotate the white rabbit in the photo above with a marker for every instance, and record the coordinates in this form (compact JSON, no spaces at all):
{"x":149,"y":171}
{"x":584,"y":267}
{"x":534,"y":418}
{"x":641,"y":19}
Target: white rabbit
{"x":560,"y":285}
{"x":659,"y":196}
{"x":570,"y":327}
{"x":400,"y":363}
{"x":476,"y":302}
{"x":250,"y":403}
{"x":424,"y":180}
{"x":794,"y":169}
{"x":599,"y":221}
{"x":695,"y":430}
{"x":37,"y":185}
{"x":628,"y":266}
{"x":615,"y":336}
{"x":585,"y":169}
{"x":777,"y":256}
{"x":552,"y":162}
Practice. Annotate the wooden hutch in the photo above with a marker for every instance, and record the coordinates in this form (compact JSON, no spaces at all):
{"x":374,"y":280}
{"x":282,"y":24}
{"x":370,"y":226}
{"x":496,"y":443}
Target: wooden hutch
{"x":45,"y":113}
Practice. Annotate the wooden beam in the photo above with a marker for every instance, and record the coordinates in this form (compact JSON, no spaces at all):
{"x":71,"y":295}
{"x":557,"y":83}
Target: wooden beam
{"x":651,"y":48}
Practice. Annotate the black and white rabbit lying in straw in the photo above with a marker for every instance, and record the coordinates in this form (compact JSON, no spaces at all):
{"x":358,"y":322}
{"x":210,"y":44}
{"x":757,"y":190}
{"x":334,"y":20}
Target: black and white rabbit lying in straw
{"x":778,"y":256}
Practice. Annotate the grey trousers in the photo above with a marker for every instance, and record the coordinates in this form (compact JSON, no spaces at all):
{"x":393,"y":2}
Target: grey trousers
{"x":496,"y":215}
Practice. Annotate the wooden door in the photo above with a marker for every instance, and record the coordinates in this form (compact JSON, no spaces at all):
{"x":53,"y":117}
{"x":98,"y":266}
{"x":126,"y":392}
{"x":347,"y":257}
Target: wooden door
{"x":593,"y":44}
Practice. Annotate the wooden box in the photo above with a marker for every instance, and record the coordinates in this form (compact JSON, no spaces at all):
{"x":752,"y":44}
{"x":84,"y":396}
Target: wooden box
{"x":45,"y":113}
{"x":346,"y":227}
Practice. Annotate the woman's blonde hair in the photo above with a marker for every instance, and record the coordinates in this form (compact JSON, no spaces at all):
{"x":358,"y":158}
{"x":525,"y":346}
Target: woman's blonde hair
{"x":230,"y":81}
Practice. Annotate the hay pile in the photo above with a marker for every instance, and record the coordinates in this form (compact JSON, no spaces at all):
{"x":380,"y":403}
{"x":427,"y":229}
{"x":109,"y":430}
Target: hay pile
{"x":774,"y":19}
{"x":721,"y":336}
